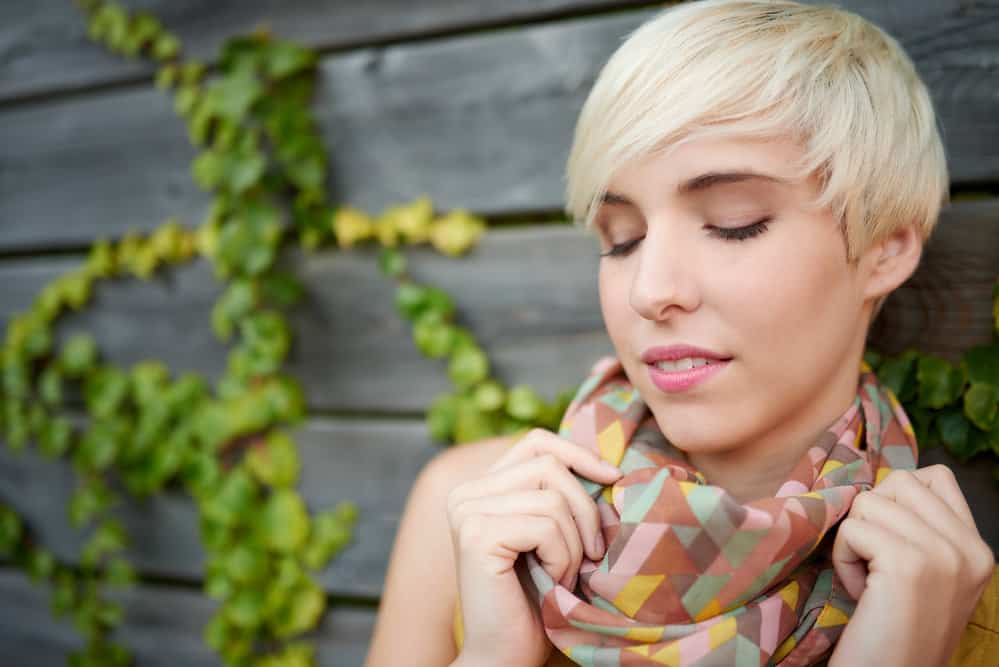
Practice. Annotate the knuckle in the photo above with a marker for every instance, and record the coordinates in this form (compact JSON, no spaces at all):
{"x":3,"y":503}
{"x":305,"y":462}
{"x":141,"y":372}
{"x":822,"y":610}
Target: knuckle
{"x":471,"y":534}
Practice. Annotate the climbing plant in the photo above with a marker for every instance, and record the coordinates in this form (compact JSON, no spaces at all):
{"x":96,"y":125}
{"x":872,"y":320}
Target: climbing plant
{"x":138,"y":431}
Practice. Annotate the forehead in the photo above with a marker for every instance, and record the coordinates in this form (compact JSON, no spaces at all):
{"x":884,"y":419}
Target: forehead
{"x":701,"y":165}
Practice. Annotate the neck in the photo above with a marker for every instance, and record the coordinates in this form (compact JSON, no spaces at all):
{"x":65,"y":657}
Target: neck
{"x":757,"y":469}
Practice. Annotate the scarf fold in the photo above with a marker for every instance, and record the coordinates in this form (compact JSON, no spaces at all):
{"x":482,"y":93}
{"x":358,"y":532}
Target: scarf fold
{"x":691,"y":576}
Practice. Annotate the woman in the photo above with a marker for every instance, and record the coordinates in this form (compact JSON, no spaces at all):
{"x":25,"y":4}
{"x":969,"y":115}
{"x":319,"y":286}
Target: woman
{"x":734,"y":487}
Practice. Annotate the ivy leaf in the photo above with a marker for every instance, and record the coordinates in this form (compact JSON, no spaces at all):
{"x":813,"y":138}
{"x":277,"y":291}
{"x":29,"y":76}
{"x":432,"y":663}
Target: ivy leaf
{"x":331,"y":532}
{"x":245,"y":564}
{"x":434,"y":336}
{"x":391,"y":262}
{"x":410,"y":299}
{"x":234,"y":94}
{"x":442,"y":417}
{"x":244,"y":609}
{"x":283,"y":523}
{"x":102,"y":443}
{"x":149,"y":380}
{"x":56,"y":437}
{"x":899,"y":375}
{"x":64,"y":595}
{"x":523,"y":403}
{"x":238,"y":299}
{"x":282,"y":288}
{"x":305,"y":605}
{"x":78,"y":355}
{"x":982,"y":364}
{"x":981,"y":405}
{"x":954,"y":430}
{"x":472,"y":424}
{"x":489,"y":395}
{"x":105,"y":390}
{"x":234,"y":499}
{"x":89,"y":500}
{"x":10,"y":531}
{"x":940,"y":383}
{"x":40,"y":565}
{"x":50,"y":386}
{"x":456,"y":232}
{"x":282,"y":59}
{"x":468,"y":366}
{"x":275,"y":461}
{"x":109,"y":538}
{"x":285,"y":398}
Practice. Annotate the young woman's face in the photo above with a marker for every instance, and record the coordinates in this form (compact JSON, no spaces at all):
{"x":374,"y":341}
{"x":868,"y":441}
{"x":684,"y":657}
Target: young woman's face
{"x":740,"y":266}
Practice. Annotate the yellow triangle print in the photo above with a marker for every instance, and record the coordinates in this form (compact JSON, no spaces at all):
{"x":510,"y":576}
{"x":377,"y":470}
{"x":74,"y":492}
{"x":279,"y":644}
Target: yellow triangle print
{"x":636,"y":592}
{"x":670,"y":655}
{"x":611,"y":443}
{"x":829,"y":467}
{"x":790,"y":595}
{"x":642,"y":650}
{"x":882,"y":473}
{"x":830,"y":617}
{"x":719,"y":633}
{"x":645,"y":634}
{"x":784,"y":649}
{"x":710,"y":610}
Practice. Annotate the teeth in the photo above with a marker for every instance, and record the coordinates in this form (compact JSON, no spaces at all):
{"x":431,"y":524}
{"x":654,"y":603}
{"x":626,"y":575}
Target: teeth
{"x":683,"y":364}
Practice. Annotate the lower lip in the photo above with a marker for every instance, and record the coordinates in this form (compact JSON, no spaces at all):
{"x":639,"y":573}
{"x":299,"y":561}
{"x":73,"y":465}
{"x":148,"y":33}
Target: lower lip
{"x":673,"y":381}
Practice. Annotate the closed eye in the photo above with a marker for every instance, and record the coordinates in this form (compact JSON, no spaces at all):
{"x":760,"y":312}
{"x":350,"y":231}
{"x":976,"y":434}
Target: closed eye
{"x":726,"y":233}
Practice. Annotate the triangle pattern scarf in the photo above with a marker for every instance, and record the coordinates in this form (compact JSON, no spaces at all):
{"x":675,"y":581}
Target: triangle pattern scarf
{"x":691,"y":576}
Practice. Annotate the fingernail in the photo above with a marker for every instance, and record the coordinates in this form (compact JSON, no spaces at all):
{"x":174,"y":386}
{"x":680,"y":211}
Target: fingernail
{"x":610,"y":467}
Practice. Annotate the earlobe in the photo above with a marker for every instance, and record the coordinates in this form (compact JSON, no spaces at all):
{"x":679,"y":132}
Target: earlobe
{"x":895,"y":259}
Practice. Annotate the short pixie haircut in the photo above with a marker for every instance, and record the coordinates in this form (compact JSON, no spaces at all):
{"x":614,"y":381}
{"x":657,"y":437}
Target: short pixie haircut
{"x":825,"y":77}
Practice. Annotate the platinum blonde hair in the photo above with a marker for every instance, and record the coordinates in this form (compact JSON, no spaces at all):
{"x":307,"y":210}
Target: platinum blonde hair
{"x":827,"y":78}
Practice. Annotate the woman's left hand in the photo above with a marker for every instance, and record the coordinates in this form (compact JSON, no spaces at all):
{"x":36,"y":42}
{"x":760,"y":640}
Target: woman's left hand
{"x":910,"y":553}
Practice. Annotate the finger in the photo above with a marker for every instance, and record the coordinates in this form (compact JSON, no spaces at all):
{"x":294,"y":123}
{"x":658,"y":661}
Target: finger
{"x":941,"y":481}
{"x":496,"y":540}
{"x":860,"y":548}
{"x":888,"y":514}
{"x":930,"y":495}
{"x":545,"y":502}
{"x":539,"y":442}
{"x":543,"y":472}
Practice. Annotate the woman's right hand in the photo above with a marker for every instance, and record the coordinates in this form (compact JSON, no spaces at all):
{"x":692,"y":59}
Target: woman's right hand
{"x":527,"y":501}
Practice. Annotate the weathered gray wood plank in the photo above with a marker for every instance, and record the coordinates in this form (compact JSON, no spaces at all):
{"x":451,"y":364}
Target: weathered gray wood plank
{"x":529,"y":295}
{"x":162,"y":627}
{"x":481,"y":121}
{"x":371,"y":463}
{"x":46,"y":48}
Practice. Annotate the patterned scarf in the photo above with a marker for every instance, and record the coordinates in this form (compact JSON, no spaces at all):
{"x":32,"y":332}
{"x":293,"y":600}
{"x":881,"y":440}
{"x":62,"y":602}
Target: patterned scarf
{"x":692,"y":576}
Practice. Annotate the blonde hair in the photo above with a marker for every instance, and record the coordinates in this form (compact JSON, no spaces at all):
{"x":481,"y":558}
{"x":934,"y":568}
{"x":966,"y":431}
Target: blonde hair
{"x":828,"y":78}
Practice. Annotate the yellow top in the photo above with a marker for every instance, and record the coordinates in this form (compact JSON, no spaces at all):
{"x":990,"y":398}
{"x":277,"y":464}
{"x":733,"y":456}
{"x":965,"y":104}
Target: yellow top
{"x":979,"y":645}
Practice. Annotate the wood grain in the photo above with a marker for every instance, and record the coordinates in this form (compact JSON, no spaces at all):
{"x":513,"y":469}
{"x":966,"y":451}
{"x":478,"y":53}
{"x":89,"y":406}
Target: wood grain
{"x":481,"y":121}
{"x":529,"y":295}
{"x":162,"y":627}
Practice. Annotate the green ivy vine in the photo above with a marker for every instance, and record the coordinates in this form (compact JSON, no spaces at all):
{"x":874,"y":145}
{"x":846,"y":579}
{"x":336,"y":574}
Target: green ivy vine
{"x":229,"y":446}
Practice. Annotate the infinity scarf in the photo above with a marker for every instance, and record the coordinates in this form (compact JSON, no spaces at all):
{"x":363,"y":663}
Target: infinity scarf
{"x":691,"y":576}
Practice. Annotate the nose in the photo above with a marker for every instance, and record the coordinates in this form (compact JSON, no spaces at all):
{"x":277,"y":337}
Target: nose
{"x":664,"y":278}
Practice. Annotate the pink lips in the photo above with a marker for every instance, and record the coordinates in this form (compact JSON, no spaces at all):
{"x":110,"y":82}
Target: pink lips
{"x":675,"y":381}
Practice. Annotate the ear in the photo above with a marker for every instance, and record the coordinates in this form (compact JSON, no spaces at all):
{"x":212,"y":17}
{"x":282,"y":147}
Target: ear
{"x":889,"y":262}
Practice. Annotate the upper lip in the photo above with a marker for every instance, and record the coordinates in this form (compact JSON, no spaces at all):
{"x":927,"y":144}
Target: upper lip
{"x":674,"y":352}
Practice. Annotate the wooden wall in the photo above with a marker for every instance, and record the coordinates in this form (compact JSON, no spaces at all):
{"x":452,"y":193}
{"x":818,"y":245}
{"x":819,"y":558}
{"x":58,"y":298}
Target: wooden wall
{"x":472,"y":103}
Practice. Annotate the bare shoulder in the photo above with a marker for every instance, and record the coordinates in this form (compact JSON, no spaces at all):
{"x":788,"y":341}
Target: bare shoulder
{"x":459,"y":463}
{"x":421,"y":568}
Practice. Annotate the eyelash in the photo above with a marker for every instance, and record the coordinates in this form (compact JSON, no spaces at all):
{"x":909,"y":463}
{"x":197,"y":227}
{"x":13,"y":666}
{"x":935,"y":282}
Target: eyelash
{"x":727,"y":234}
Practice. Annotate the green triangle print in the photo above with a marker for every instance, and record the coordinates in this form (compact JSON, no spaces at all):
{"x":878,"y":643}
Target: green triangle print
{"x":741,"y":544}
{"x":637,"y":505}
{"x":703,"y":500}
{"x":686,"y":534}
{"x":619,"y":399}
{"x":703,"y":591}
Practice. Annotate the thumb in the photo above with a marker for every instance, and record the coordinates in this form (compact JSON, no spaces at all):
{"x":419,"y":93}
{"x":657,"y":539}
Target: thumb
{"x":851,"y":551}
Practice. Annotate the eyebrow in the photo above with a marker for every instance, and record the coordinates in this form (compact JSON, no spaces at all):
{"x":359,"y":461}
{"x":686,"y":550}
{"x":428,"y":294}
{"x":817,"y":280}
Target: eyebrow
{"x":703,"y":182}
